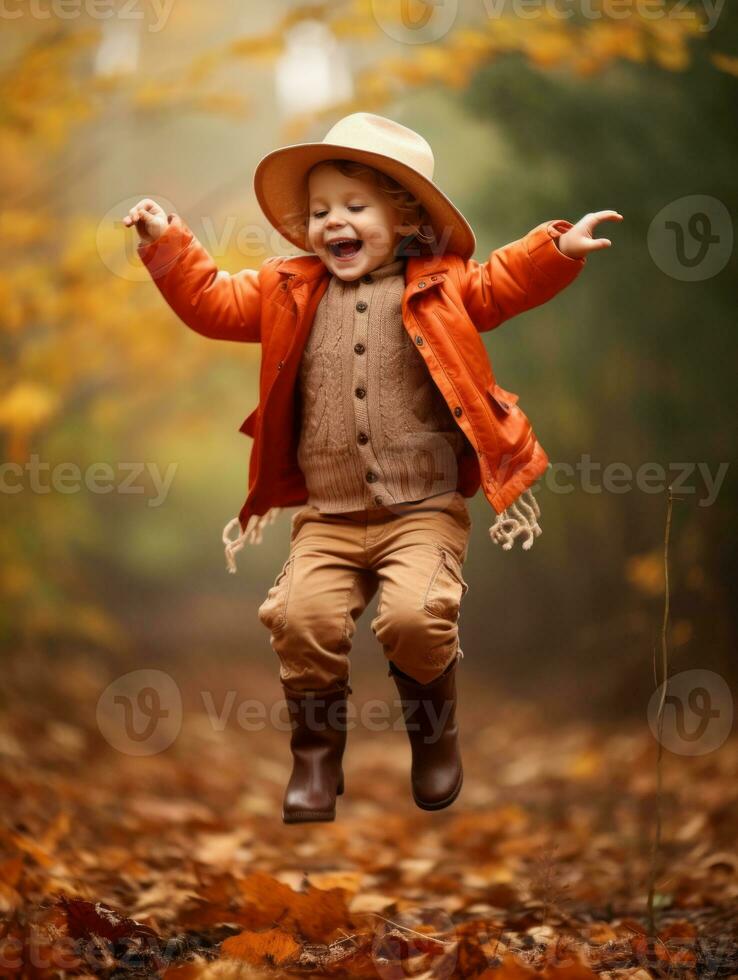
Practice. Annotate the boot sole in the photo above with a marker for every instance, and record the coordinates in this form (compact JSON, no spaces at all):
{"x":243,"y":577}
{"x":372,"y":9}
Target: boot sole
{"x":308,"y":816}
{"x":441,"y":804}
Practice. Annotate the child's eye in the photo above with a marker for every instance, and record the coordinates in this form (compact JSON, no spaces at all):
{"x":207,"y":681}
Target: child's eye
{"x":352,"y":207}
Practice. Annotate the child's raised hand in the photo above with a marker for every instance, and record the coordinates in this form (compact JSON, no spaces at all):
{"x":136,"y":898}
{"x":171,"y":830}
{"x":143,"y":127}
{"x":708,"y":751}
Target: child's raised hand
{"x":150,"y":220}
{"x":577,"y":242}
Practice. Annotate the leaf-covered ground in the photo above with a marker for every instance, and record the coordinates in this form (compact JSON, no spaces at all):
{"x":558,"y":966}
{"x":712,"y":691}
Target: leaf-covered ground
{"x":178,"y":865}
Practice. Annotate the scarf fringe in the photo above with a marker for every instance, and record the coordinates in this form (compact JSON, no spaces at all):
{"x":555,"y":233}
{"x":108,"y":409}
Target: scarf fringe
{"x":252,"y":534}
{"x":520,"y":518}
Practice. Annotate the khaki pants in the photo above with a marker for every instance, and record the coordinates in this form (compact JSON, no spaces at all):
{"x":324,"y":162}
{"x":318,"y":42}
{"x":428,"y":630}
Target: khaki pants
{"x":415,"y":552}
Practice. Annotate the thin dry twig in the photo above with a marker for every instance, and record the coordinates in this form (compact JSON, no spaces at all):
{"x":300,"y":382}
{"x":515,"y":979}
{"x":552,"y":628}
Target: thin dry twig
{"x":423,"y":935}
{"x":656,"y":845}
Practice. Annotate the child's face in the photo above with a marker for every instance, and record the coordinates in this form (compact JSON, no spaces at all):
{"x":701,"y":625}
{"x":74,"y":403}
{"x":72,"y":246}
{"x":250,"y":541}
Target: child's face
{"x":341,"y":207}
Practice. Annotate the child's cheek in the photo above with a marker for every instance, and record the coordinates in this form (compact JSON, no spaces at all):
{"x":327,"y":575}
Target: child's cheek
{"x":377,"y":239}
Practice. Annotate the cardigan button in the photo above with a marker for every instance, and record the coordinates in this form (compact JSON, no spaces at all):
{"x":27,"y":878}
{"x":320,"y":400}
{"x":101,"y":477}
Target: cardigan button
{"x":362,"y":438}
{"x":458,"y":411}
{"x":378,"y":499}
{"x":367,"y":278}
{"x":371,"y":477}
{"x":359,"y":348}
{"x":360,"y":392}
{"x":361,"y":306}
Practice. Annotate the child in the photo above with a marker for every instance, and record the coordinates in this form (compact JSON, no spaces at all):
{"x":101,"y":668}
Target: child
{"x":380,"y":413}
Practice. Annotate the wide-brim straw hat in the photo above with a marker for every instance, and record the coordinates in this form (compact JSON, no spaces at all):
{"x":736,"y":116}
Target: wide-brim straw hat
{"x":281,"y":184}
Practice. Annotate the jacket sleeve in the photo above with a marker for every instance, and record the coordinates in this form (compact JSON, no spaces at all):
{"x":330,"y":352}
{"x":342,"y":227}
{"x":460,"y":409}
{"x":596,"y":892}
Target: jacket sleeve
{"x":518,"y":276}
{"x":211,"y":302}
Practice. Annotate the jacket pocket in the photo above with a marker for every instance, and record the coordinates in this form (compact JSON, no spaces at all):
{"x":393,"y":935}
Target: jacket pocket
{"x":248,"y":426}
{"x":501,"y":398}
{"x":446,"y":588}
{"x":272,"y":612}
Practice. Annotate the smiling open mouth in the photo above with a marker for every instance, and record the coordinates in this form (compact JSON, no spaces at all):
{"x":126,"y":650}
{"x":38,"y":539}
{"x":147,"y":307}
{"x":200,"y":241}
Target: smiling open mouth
{"x":346,"y":248}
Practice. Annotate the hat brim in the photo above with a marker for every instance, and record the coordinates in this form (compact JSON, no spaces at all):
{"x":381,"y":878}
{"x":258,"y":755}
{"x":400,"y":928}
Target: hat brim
{"x":280,"y":184}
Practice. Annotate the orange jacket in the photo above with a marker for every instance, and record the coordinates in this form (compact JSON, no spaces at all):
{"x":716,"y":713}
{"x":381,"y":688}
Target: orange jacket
{"x":448,"y":302}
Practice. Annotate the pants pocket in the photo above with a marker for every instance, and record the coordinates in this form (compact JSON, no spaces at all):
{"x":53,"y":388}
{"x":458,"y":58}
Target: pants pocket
{"x":460,"y":510}
{"x":298,"y":520}
{"x":273,"y":611}
{"x":446,"y":588}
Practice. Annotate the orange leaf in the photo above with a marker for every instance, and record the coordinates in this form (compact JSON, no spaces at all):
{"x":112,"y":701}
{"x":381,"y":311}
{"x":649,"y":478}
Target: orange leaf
{"x":273,"y":946}
{"x":509,"y":969}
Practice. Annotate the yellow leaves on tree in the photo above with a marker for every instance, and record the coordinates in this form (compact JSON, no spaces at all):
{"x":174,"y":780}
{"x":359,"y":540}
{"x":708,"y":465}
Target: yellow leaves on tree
{"x":646,"y":572}
{"x":25,"y":407}
{"x":39,"y":93}
{"x":584,"y":46}
{"x":725,"y":62}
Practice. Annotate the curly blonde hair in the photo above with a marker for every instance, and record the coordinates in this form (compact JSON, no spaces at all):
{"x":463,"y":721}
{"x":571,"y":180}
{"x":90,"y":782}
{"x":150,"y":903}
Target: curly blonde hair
{"x":409,"y":208}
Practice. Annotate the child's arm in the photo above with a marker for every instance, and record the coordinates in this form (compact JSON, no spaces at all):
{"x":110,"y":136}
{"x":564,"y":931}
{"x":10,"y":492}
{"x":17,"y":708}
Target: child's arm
{"x":530,"y":271}
{"x":213,"y":303}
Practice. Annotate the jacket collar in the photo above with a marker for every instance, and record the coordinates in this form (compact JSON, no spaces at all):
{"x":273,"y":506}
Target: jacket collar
{"x":418,"y":269}
{"x":305,"y":266}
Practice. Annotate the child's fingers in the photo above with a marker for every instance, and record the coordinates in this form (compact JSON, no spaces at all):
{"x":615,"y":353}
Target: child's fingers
{"x":144,"y":216}
{"x":137,"y":217}
{"x":605,"y":216}
{"x":143,"y":209}
{"x":148,"y":205}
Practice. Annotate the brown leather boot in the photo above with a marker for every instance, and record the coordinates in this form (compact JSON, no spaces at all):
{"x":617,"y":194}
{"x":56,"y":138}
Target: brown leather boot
{"x":317,"y":743}
{"x":429,"y":713}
